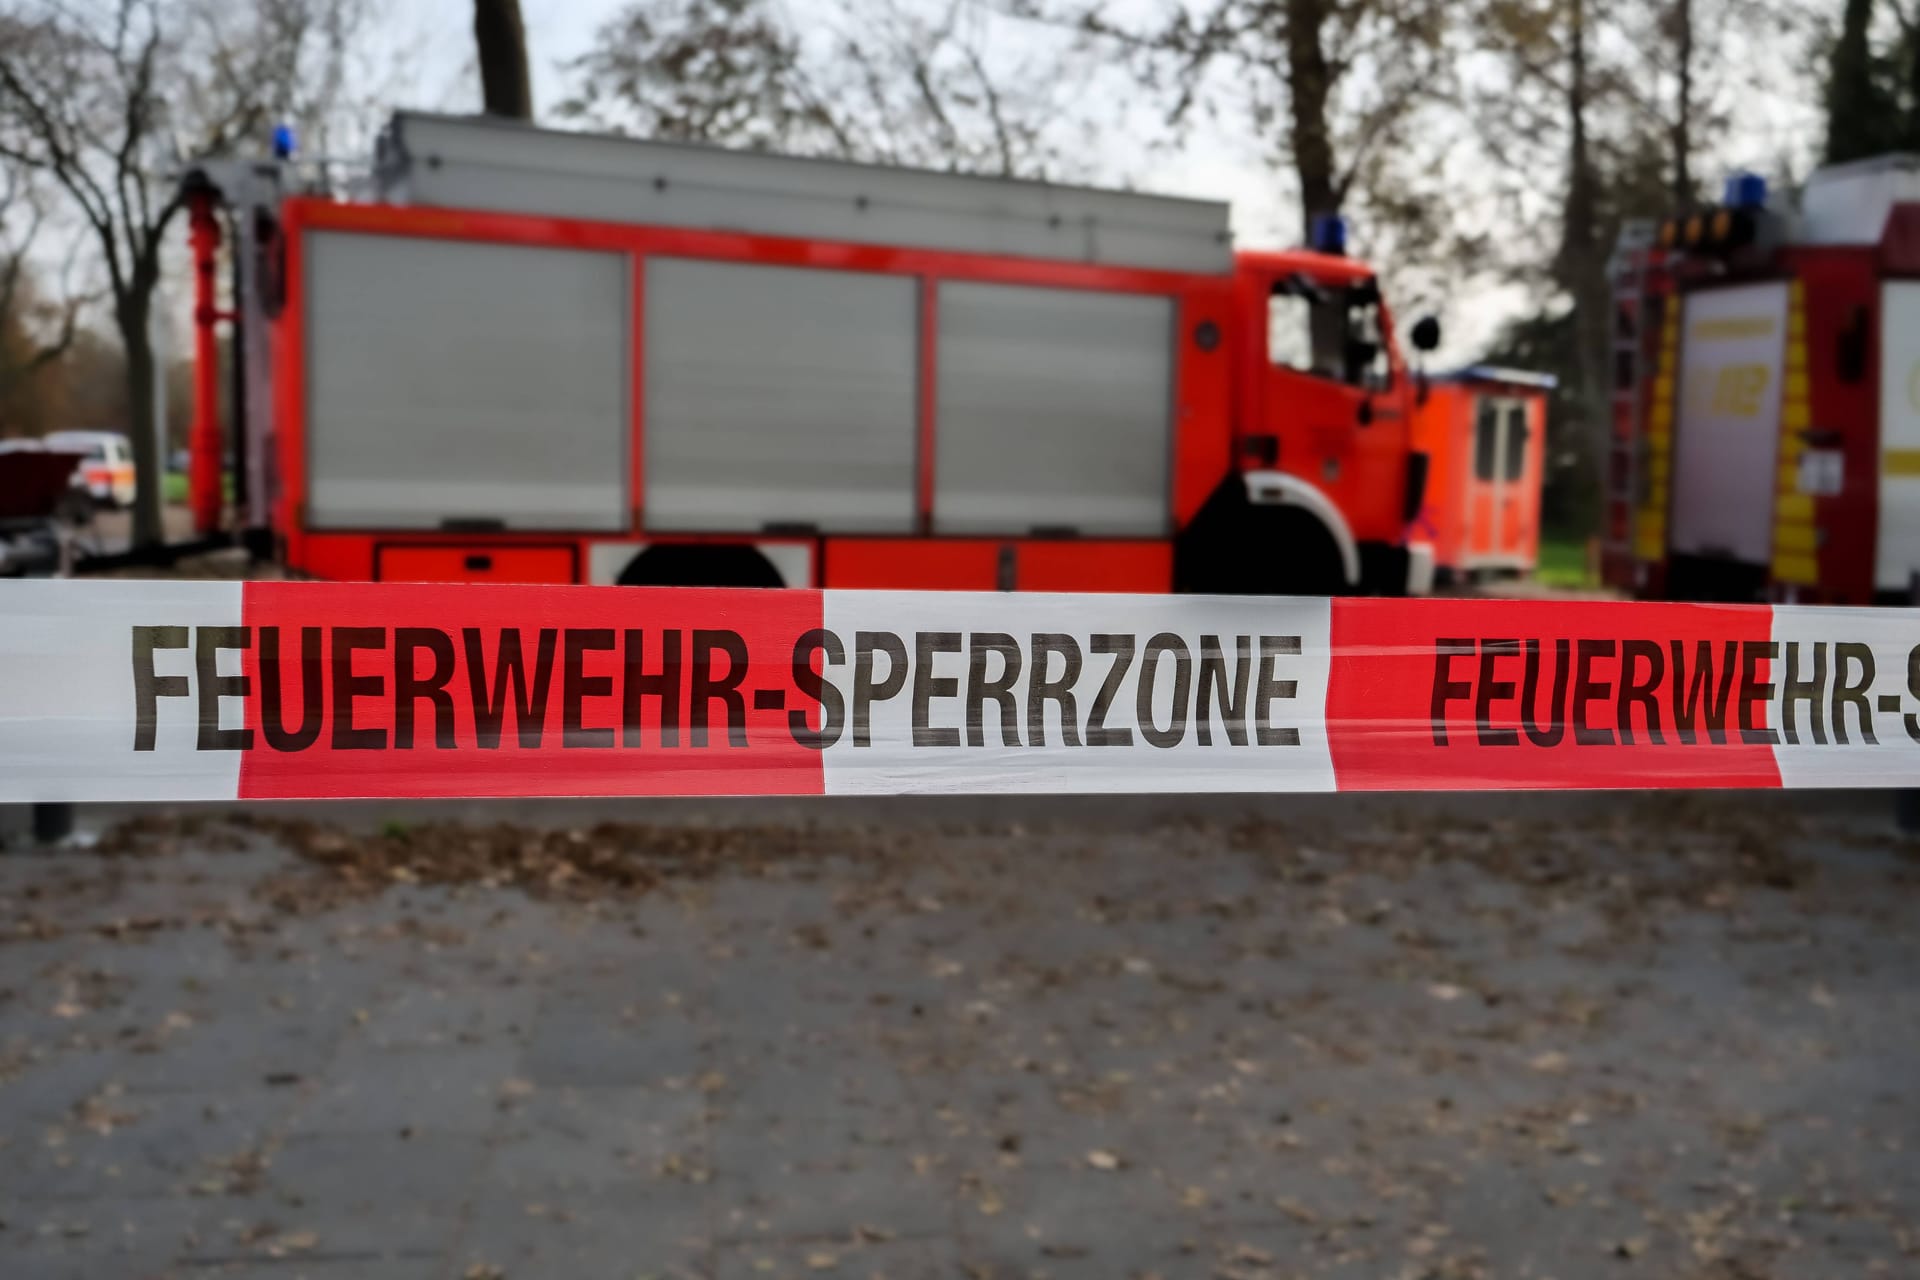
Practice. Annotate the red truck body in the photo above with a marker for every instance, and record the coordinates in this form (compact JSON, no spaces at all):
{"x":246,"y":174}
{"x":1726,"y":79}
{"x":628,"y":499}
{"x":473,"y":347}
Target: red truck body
{"x":1766,"y":418}
{"x":1278,"y":475}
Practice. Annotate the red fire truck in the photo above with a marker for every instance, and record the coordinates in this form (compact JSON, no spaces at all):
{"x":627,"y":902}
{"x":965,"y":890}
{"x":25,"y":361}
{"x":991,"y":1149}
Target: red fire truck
{"x":1766,"y":432}
{"x":526,"y":355}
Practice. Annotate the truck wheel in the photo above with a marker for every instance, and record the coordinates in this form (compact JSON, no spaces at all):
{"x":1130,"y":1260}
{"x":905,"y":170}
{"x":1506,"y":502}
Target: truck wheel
{"x":1306,"y":558}
{"x":1235,"y":548}
{"x":1383,"y":569}
{"x":718,"y":565}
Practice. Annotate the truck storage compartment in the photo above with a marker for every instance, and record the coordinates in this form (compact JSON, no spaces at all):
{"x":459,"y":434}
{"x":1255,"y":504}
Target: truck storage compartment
{"x":779,"y":397}
{"x":1732,"y":347}
{"x":454,"y":382}
{"x":473,"y":563}
{"x":1053,"y":411}
{"x":471,"y":162}
{"x":1897,"y":540}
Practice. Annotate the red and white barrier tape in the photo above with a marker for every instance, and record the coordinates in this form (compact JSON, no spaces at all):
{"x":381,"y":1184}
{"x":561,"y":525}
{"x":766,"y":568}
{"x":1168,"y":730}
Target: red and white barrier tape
{"x":192,"y":691}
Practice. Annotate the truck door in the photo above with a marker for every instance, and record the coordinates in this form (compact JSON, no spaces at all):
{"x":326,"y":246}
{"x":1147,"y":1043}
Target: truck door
{"x":1496,"y":508}
{"x":1483,"y":505}
{"x":1897,"y":549}
{"x":1732,"y":351}
{"x":1517,"y":484}
{"x":1329,"y":369}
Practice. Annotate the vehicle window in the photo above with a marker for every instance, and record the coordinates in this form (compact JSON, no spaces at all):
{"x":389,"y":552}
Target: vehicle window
{"x":97,"y":453}
{"x":1516,"y":442}
{"x":1328,"y":331}
{"x":1486,"y":437}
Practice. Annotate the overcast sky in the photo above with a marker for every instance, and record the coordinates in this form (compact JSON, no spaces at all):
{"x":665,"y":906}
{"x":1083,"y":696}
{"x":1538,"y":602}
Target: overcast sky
{"x":1212,"y":165}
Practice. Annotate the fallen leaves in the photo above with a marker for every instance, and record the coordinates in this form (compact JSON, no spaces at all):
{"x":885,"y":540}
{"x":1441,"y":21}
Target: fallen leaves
{"x":100,"y":1112}
{"x":289,"y":1243}
{"x":236,"y":1175}
{"x":572,"y":862}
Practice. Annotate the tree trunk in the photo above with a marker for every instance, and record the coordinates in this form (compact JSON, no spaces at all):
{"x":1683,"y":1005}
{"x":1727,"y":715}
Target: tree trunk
{"x":1908,"y":138}
{"x":1582,"y":259}
{"x":1859,"y":112}
{"x":1683,"y":192}
{"x":1308,"y":84}
{"x":506,"y":88}
{"x":133,"y":314}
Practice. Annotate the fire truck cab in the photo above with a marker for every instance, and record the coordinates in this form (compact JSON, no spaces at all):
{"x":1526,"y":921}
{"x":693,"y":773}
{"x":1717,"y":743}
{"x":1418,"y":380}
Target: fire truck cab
{"x":530,"y":355}
{"x":1767,"y":408}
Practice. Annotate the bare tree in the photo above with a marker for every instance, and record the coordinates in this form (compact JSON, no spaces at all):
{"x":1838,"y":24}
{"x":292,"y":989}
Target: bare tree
{"x":105,"y":101}
{"x":869,"y":80}
{"x":506,"y":88}
{"x":1872,"y":96}
{"x":1329,"y":86}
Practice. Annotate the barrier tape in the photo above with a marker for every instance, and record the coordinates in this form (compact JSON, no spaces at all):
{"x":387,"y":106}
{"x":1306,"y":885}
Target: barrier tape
{"x":207,"y":690}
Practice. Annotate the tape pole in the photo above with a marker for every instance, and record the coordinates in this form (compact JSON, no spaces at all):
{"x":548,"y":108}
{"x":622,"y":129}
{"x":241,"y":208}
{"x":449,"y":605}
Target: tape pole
{"x":120,"y":690}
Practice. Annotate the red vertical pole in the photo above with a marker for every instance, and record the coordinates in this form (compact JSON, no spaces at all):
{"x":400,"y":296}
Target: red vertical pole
{"x":929,"y":399}
{"x":204,"y":445}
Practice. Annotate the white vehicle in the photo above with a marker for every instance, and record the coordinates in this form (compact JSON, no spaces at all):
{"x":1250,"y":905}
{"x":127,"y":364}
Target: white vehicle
{"x":107,"y":471}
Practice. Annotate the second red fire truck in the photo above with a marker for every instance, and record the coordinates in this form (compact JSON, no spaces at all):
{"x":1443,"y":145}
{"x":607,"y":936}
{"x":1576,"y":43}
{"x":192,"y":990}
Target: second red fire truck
{"x":1766,"y":433}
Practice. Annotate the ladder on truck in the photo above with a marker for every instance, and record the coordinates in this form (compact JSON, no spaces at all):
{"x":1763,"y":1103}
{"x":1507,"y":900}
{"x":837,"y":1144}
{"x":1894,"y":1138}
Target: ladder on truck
{"x":1624,"y":483}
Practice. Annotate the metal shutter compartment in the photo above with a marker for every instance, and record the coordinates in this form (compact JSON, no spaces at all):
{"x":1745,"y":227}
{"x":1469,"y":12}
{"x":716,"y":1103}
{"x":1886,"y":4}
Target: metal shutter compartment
{"x":1732,"y":357}
{"x":1053,"y":410}
{"x":456,"y":381}
{"x":479,"y":162}
{"x":779,"y":396}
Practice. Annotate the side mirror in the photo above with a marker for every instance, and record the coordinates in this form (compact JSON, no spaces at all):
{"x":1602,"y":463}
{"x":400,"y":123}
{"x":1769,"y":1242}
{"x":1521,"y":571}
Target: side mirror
{"x":1426,"y":333}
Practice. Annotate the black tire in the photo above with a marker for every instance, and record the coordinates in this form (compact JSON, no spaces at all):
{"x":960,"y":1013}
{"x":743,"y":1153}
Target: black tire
{"x":1235,"y":548}
{"x":697,"y":565}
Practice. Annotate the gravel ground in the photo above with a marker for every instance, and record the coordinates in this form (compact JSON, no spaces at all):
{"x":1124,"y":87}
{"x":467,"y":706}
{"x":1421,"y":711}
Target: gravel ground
{"x":1344,"y":1036}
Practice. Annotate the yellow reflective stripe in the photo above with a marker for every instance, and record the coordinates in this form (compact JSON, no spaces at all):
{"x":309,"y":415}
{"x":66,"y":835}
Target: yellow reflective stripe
{"x":1900,"y":462}
{"x":1794,"y":537}
{"x":1801,"y":570}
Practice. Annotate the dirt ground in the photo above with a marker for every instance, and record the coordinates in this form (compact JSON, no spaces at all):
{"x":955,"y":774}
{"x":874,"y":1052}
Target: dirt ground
{"x":1417,"y":1038}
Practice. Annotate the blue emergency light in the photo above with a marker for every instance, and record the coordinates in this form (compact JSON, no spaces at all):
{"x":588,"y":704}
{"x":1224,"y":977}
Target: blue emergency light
{"x":283,"y":142}
{"x":1328,"y":233}
{"x":1745,"y":191}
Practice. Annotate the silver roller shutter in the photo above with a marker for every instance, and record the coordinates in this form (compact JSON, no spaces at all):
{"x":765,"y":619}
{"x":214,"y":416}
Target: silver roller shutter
{"x":1054,"y":411}
{"x":779,"y":396}
{"x":450,"y":382}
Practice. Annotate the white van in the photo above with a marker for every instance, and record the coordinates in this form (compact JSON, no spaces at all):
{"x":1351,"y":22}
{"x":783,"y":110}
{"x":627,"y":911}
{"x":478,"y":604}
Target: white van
{"x":106,"y":471}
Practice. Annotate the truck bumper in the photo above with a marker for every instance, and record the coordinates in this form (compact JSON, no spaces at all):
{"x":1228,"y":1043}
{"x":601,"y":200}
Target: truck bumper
{"x":1419,"y":568}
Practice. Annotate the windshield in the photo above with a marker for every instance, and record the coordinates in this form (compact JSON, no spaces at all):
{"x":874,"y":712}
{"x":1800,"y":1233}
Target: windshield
{"x":1328,"y":331}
